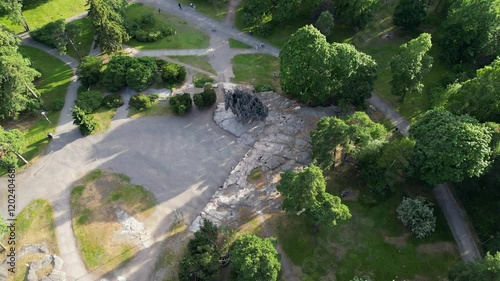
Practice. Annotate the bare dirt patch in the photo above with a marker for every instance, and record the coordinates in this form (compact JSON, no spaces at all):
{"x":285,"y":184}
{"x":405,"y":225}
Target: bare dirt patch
{"x":398,"y":241}
{"x":437,"y":248}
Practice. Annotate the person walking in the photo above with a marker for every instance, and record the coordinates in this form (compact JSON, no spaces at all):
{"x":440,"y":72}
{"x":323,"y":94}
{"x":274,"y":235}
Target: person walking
{"x":180,"y":7}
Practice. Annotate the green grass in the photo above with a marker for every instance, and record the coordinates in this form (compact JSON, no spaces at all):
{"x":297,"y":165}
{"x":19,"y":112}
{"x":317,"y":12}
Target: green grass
{"x":103,"y":116}
{"x":83,"y":40}
{"x":215,"y":9}
{"x":357,"y":247}
{"x":255,"y":69}
{"x":47,"y":12}
{"x":187,"y":36}
{"x":197,"y":61}
{"x":235,"y":44}
{"x":91,"y":176}
{"x":160,"y":108}
{"x":52,"y":86}
{"x":134,"y":195}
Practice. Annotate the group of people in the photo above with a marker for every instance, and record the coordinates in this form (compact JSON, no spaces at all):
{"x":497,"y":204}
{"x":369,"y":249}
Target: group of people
{"x":190,"y":5}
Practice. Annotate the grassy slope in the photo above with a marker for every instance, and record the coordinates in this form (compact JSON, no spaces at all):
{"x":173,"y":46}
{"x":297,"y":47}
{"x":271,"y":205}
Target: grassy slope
{"x":255,"y":68}
{"x":214,"y":9}
{"x":83,"y":40}
{"x":160,"y":108}
{"x":187,"y":36}
{"x":48,"y":11}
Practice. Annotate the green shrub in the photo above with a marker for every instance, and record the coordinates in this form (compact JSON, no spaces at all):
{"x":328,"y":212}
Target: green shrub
{"x":88,"y":125}
{"x":206,"y":98}
{"x":112,"y":101}
{"x":89,"y":71}
{"x":172,"y":73}
{"x":52,"y":35}
{"x":140,"y":102}
{"x":89,"y":101}
{"x":263,"y":87}
{"x":201,"y":81}
{"x":57,"y":105}
{"x":154,"y":97}
{"x":181,"y":103}
{"x":114,"y":77}
{"x":139,"y":76}
{"x":418,"y":215}
{"x":148,"y":19}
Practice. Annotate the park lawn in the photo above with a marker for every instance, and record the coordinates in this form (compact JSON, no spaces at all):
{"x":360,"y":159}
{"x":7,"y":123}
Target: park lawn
{"x":95,"y":200}
{"x":52,"y":86}
{"x":197,"y":61}
{"x":187,"y":35}
{"x":235,"y":44}
{"x":215,"y":9}
{"x":35,"y":225}
{"x":103,"y":116}
{"x":256,"y":69}
{"x":160,"y":108}
{"x":48,"y":11}
{"x":357,"y":246}
{"x":84,"y":38}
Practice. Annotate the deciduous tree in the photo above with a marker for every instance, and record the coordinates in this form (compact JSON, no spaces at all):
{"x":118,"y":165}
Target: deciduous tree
{"x":418,"y":215}
{"x":409,"y":14}
{"x":325,"y":23}
{"x":255,"y":259}
{"x":11,"y":143}
{"x":410,"y":65}
{"x":14,"y":9}
{"x":357,"y":13}
{"x":449,"y":147}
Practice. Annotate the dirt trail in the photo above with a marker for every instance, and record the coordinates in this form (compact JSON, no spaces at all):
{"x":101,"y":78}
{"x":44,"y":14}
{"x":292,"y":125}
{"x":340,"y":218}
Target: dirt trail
{"x":231,"y":12}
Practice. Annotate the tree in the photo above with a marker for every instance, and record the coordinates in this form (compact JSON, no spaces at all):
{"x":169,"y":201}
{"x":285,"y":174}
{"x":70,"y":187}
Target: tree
{"x":357,"y":13}
{"x":16,"y":79}
{"x":409,"y":14}
{"x":449,"y":147}
{"x":325,"y":23}
{"x":479,"y":96}
{"x":410,"y":66}
{"x":202,"y":259}
{"x":11,"y":143}
{"x":111,"y":35}
{"x":306,"y":192}
{"x":89,"y":71}
{"x":255,"y":259}
{"x":487,"y":269}
{"x":89,"y":101}
{"x":14,"y":9}
{"x":107,"y":17}
{"x":139,"y":76}
{"x":351,"y":133}
{"x":86,"y":123}
{"x":245,"y":105}
{"x":181,"y":103}
{"x":471,"y":29}
{"x":206,"y":98}
{"x":418,"y":215}
{"x":140,"y":102}
{"x":114,"y":77}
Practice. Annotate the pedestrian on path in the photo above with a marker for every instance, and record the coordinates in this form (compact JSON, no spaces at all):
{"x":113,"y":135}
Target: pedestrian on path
{"x":180,"y":7}
{"x":159,"y":10}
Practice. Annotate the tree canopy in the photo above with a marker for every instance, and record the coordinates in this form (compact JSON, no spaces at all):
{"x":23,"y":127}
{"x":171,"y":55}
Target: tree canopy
{"x":487,"y":269}
{"x":409,"y":14}
{"x":255,"y":259}
{"x":14,"y":9}
{"x":410,"y":65}
{"x":471,"y":29}
{"x":306,"y":191}
{"x":11,"y":143}
{"x":325,"y":23}
{"x":246,"y":106}
{"x":479,"y":96}
{"x":107,"y":17}
{"x":357,"y":13}
{"x":449,"y":147}
{"x":418,"y":215}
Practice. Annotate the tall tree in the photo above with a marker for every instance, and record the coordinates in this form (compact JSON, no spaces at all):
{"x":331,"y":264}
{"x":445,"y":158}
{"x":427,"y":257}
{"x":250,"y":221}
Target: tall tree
{"x":487,"y":269}
{"x":15,"y":12}
{"x":351,"y":133}
{"x":357,"y":13}
{"x":325,"y":23}
{"x":410,"y":65}
{"x":449,"y":147}
{"x":409,"y":14}
{"x":11,"y":143}
{"x":16,"y":79}
{"x":89,"y":71}
{"x":471,"y":29}
{"x":255,"y":259}
{"x":107,"y":17}
{"x":479,"y":96}
{"x":306,"y":192}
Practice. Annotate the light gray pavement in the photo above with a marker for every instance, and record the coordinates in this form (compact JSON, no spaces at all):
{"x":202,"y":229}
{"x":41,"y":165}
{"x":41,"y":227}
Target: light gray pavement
{"x":397,"y":119}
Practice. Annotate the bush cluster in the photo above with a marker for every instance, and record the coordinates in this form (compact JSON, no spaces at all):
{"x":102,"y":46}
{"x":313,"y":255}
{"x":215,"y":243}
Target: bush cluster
{"x":140,"y":101}
{"x":141,"y":73}
{"x":57,"y":105}
{"x":89,"y":101}
{"x":205,"y":98}
{"x":181,"y":103}
{"x":86,"y":123}
{"x":89,"y":71}
{"x":112,"y":101}
{"x":199,"y":82}
{"x":147,"y":29}
{"x":114,"y":77}
{"x":418,"y":215}
{"x":47,"y":33}
{"x":171,"y":73}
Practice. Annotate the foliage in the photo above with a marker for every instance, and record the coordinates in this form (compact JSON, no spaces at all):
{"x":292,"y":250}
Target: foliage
{"x":306,"y":191}
{"x":449,"y":147}
{"x":352,"y":133}
{"x":479,"y":96}
{"x":89,"y":101}
{"x":383,"y":164}
{"x":357,"y":13}
{"x":86,"y":123}
{"x":11,"y":142}
{"x":255,"y":259}
{"x":206,"y":98}
{"x":114,"y":77}
{"x":112,"y":101}
{"x":141,"y":73}
{"x":147,"y":28}
{"x":201,"y":81}
{"x":263,"y":87}
{"x":470,"y":30}
{"x":487,"y":269}
{"x":181,"y":103}
{"x":325,"y":23}
{"x":410,"y":65}
{"x":418,"y":215}
{"x":16,"y":79}
{"x":107,"y":17}
{"x":14,"y":12}
{"x":56,"y":34}
{"x":409,"y":14}
{"x":140,"y":101}
{"x":311,"y":70}
{"x":171,"y":73}
{"x":201,"y":262}
{"x":244,"y":105}
{"x":89,"y":71}
{"x":57,"y":105}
